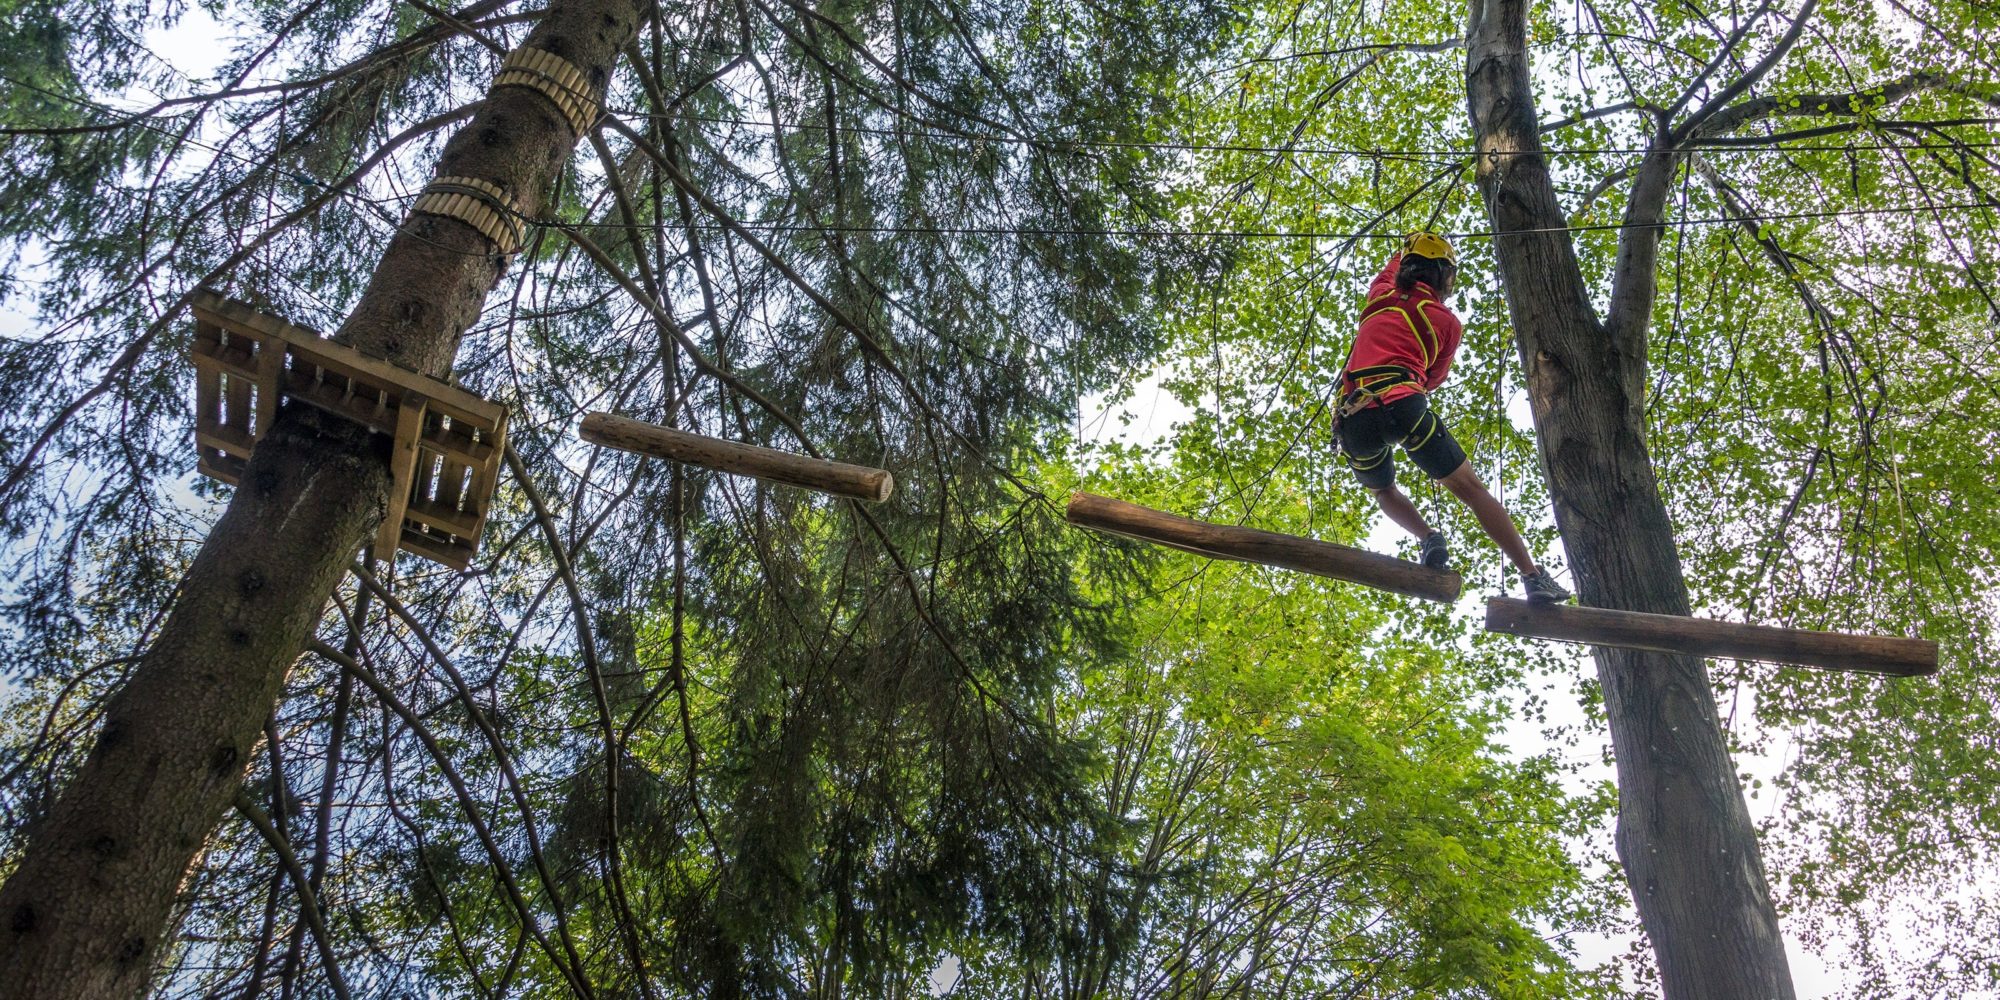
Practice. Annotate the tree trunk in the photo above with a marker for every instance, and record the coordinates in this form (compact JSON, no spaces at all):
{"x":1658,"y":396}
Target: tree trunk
{"x":87,"y":910}
{"x":1684,"y":835}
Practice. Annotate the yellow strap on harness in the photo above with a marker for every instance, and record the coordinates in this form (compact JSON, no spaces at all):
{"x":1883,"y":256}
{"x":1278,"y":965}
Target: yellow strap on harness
{"x":1371,"y":384}
{"x":1427,"y":349}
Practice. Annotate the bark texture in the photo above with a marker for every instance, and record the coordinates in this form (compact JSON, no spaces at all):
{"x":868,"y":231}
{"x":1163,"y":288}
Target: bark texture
{"x":1684,"y":835}
{"x":94,"y":897}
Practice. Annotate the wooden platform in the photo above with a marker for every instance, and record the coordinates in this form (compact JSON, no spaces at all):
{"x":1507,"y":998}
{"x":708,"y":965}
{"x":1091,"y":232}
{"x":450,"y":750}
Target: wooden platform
{"x":838,"y":478}
{"x":448,"y":442}
{"x":1227,"y":541}
{"x":1875,"y":654}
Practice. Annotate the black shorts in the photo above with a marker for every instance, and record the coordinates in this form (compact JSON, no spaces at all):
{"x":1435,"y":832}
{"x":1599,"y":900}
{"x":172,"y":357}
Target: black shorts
{"x":1368,"y":439}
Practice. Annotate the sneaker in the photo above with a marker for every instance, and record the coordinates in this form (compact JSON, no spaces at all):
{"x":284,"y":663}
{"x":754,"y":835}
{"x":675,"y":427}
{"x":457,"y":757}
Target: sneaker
{"x":1543,"y":588}
{"x":1433,"y":552}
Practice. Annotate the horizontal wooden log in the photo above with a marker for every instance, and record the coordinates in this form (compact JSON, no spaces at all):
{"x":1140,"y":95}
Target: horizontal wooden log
{"x":838,"y":478}
{"x":1226,"y":541}
{"x":1874,"y":654}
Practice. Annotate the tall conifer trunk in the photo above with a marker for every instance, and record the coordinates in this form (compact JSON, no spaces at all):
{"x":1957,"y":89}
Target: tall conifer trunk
{"x":1684,"y":834}
{"x":85,"y":913}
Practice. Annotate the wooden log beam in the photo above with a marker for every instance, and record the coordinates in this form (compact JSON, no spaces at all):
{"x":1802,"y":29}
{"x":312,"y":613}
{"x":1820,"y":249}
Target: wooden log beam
{"x":1227,"y":541}
{"x":838,"y":478}
{"x":1873,"y":654}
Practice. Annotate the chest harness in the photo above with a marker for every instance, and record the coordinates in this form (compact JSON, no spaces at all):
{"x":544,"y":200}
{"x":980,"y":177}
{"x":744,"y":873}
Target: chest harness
{"x":1364,"y":387}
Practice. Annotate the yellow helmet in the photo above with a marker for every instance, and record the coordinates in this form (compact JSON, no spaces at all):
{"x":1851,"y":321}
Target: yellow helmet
{"x":1430,"y":245}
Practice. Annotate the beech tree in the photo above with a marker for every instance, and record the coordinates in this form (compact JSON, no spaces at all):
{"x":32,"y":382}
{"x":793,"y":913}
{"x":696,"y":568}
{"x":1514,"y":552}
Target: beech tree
{"x":1755,"y":263}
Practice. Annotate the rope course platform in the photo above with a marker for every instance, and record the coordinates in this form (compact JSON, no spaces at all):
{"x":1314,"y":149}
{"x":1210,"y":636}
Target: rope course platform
{"x":838,"y":478}
{"x":1227,"y":541}
{"x":1873,"y":654}
{"x":447,"y":446}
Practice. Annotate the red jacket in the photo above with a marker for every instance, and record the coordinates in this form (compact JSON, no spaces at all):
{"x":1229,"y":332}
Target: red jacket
{"x":1413,"y":330}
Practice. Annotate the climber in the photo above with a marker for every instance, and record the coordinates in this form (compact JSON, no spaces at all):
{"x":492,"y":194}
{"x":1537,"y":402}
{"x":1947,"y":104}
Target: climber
{"x":1401,"y":354}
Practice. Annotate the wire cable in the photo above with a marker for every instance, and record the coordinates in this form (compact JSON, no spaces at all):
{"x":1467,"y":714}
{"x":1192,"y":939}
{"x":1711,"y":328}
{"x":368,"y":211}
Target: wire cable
{"x":770,"y":227}
{"x":1395,"y":154}
{"x":776,"y":227}
{"x":137,"y":119}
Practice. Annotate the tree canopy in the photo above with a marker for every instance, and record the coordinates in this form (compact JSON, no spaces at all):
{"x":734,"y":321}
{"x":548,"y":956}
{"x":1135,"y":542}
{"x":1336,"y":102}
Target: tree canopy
{"x":679,"y":734}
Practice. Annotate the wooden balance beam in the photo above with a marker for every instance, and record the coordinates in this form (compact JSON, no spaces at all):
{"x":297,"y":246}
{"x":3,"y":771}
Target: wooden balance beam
{"x":1225,"y":541}
{"x":769,"y":464}
{"x":1874,"y":654}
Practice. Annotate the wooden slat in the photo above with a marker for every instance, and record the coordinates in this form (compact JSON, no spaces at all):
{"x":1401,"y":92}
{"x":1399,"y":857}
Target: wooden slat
{"x":444,"y":397}
{"x":270,"y":384}
{"x":1226,"y":541}
{"x":489,"y":467}
{"x":457,"y":442}
{"x":424,"y":476}
{"x":224,"y":438}
{"x":445,"y":442}
{"x":207,"y":336}
{"x":402,"y":464}
{"x":207,"y":392}
{"x":456,"y":553}
{"x":449,"y":489}
{"x":236,"y":401}
{"x":449,"y":520}
{"x":226,"y":468}
{"x":385,"y":404}
{"x":333,"y":396}
{"x":300,"y":374}
{"x":234,"y":357}
{"x":1877,"y":654}
{"x":839,"y":478}
{"x":485,"y":478}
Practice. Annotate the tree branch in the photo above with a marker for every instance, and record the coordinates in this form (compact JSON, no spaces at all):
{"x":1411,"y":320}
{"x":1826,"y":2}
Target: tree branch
{"x":1721,"y":55}
{"x":1748,"y":79}
{"x":1857,"y":103}
{"x":1609,"y":181}
{"x":562,"y":959}
{"x":1594,"y":113}
{"x":1635,"y":280}
{"x":1448,"y":45}
{"x":307,"y":904}
{"x":614,"y":750}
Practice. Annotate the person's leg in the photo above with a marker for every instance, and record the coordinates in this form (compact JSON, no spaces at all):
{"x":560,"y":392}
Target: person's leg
{"x":1400,"y":510}
{"x":1465,"y":485}
{"x":1365,"y":442}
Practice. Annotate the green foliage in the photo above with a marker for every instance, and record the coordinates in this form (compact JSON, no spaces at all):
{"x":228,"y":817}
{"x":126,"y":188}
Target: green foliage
{"x":1819,"y":390}
{"x":1317,"y":804}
